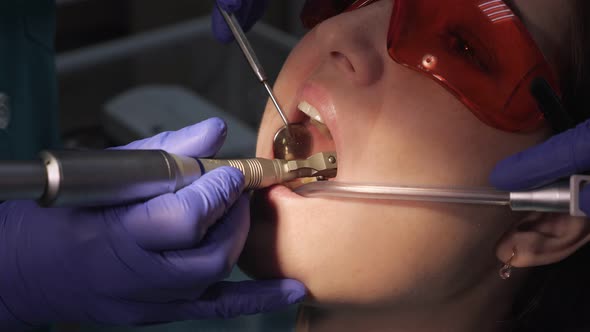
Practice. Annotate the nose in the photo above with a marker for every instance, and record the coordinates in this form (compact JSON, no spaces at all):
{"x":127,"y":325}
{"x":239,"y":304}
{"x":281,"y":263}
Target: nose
{"x":355,"y":42}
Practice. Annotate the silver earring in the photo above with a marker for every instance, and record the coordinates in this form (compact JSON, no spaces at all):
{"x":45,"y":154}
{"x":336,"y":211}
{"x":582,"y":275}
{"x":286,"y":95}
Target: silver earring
{"x":506,"y":270}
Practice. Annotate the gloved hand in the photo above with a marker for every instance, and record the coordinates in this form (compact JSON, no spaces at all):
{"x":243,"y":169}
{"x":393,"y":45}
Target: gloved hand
{"x":563,"y":155}
{"x":248,"y":12}
{"x":101,"y":264}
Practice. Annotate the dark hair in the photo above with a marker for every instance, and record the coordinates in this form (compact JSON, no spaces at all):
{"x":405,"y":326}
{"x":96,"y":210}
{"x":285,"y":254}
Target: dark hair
{"x":557,"y":297}
{"x":575,"y":73}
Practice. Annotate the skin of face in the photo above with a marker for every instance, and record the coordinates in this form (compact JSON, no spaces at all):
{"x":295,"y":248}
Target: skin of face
{"x":390,"y":125}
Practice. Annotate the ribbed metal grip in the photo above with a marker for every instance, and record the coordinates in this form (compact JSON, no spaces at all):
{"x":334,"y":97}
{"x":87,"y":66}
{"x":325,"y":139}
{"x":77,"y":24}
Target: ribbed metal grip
{"x":253,"y":168}
{"x":259,"y":173}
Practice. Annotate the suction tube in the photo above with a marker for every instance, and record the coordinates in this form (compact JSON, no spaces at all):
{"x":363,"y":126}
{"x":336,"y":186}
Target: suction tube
{"x":559,"y":197}
{"x":376,"y":191}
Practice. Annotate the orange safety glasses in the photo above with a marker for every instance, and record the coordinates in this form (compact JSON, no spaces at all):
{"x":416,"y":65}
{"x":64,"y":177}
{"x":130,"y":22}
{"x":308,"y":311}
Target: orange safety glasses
{"x":478,"y":50}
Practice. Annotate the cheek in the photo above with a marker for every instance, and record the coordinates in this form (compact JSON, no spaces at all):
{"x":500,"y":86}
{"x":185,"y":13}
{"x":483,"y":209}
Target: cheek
{"x":371,"y":253}
{"x":416,"y":133}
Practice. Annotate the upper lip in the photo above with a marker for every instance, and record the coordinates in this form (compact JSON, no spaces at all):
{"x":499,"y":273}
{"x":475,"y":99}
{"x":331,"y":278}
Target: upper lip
{"x":321,"y":99}
{"x":308,"y":92}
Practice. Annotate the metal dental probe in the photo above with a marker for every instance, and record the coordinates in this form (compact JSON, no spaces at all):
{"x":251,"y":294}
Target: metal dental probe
{"x":109,"y":177}
{"x":293,"y":141}
{"x":251,"y":57}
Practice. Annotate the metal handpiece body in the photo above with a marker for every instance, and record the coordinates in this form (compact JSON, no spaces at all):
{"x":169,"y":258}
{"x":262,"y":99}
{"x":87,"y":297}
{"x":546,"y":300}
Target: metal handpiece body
{"x":560,"y":197}
{"x":112,"y":177}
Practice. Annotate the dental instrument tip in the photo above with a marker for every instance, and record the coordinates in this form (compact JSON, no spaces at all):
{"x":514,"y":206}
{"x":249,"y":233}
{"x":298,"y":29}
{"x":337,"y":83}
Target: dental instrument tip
{"x":276,"y":103}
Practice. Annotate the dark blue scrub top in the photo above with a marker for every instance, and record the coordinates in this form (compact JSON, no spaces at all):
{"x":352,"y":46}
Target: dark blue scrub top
{"x":28,"y":78}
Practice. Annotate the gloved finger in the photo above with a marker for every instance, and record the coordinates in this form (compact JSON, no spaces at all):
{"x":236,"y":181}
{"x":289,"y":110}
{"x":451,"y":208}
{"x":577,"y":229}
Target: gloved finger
{"x":562,"y":155}
{"x":248,"y":12}
{"x":231,"y":6}
{"x":203,"y":139}
{"x":220,"y":29}
{"x":181,"y":220}
{"x":230,"y":299}
{"x":216,"y":255}
{"x":224,"y":300}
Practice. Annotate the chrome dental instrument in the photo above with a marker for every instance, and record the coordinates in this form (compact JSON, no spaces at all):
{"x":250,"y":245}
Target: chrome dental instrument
{"x":293,"y":141}
{"x":251,"y":57}
{"x":560,"y":197}
{"x":108,"y":177}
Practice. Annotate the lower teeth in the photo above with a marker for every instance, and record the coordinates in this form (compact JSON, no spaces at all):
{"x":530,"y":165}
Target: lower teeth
{"x":299,"y":182}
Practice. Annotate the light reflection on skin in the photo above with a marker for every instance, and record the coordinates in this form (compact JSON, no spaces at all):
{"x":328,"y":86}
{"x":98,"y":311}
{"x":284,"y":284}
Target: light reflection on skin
{"x":382,"y":263}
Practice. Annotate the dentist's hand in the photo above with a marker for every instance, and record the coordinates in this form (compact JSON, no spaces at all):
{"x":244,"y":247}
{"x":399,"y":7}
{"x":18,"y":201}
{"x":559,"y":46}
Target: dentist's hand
{"x":248,"y":12}
{"x":561,"y":156}
{"x":106,"y":265}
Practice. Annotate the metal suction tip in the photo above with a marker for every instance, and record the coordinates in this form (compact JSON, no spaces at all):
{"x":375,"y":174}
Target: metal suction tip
{"x":292,"y":142}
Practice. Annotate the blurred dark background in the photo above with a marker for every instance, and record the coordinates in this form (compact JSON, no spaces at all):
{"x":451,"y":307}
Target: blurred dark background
{"x":109,"y":48}
{"x":86,"y":22}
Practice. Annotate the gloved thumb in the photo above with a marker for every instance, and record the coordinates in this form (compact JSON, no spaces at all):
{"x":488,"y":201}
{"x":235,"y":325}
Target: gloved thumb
{"x":248,"y":12}
{"x":180,"y":220}
{"x":203,"y":139}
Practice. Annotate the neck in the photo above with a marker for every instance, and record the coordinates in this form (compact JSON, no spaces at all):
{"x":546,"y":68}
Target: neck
{"x":481,"y":310}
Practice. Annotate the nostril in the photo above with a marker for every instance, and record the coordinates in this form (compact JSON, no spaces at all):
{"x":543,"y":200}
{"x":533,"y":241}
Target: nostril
{"x":343,"y":61}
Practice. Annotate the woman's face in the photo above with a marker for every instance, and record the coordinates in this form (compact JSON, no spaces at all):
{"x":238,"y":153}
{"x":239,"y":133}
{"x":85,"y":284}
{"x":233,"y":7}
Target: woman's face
{"x":389,"y":124}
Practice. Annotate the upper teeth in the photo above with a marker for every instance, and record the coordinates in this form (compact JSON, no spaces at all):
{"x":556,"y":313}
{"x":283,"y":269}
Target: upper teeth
{"x":311,"y":111}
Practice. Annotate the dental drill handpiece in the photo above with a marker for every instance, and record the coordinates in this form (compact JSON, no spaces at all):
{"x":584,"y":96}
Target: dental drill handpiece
{"x":251,"y":57}
{"x":113,"y":177}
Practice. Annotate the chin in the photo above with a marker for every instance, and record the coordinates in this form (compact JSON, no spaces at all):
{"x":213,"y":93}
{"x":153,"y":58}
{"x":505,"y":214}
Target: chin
{"x":259,"y":259}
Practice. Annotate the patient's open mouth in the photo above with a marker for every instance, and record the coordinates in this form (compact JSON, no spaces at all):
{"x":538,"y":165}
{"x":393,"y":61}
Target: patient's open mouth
{"x":321,"y":137}
{"x":315,"y":119}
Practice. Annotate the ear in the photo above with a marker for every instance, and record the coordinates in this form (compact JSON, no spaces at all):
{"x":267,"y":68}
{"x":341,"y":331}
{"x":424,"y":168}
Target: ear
{"x":543,"y":238}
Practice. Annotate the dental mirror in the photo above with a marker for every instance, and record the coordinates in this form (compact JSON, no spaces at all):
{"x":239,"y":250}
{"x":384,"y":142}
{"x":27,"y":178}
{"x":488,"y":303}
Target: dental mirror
{"x":293,"y":142}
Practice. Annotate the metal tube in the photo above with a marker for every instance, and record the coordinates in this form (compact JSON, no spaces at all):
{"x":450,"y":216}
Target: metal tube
{"x":561,"y":197}
{"x":166,"y":37}
{"x":72,"y":61}
{"x":94,"y":178}
{"x":22,"y":180}
{"x":370,"y":191}
{"x":555,"y":198}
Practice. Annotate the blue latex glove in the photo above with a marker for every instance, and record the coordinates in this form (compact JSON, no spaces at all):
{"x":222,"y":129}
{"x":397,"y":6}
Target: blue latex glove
{"x":248,"y":12}
{"x":561,"y":156}
{"x":101,"y":265}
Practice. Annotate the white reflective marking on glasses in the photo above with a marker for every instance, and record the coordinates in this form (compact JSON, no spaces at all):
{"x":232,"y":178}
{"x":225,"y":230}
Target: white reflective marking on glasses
{"x":496,"y":11}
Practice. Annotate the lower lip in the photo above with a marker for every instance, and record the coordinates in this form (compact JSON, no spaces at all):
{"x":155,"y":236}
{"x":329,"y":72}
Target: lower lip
{"x":281,"y":192}
{"x":266,"y":201}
